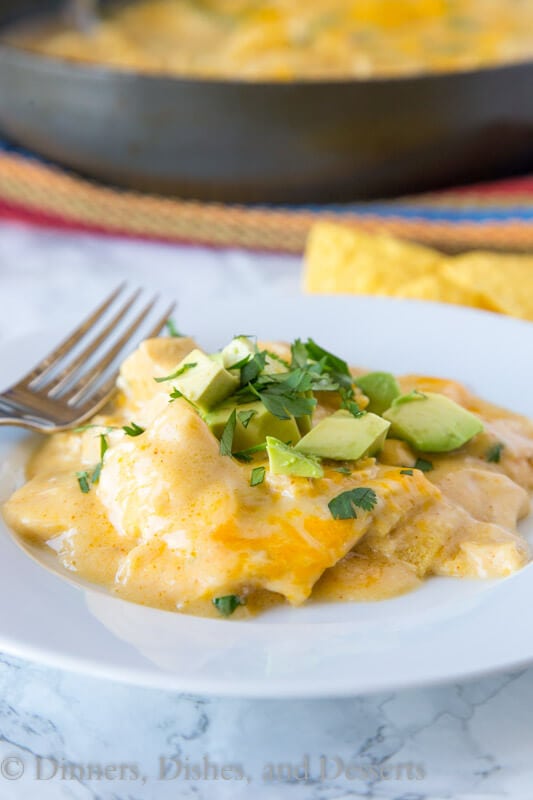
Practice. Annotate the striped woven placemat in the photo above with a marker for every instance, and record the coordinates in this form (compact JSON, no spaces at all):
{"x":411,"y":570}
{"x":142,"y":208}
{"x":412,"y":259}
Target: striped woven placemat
{"x":497,"y":215}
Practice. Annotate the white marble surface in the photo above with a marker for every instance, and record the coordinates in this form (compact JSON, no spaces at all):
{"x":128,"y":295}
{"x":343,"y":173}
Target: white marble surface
{"x":472,"y":741}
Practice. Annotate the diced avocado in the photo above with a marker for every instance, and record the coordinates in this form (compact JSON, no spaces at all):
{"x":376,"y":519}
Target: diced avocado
{"x":207,"y":383}
{"x":344,"y":437}
{"x":432,"y":422}
{"x":236,"y":350}
{"x":381,"y":388}
{"x":252,"y":430}
{"x":285,"y":460}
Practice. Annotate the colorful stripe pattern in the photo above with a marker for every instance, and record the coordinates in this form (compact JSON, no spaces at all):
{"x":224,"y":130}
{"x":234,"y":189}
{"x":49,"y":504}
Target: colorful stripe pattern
{"x":497,"y":215}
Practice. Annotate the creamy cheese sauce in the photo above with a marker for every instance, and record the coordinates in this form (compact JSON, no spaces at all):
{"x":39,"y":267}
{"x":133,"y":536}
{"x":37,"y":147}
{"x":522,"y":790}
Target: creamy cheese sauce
{"x":290,"y":39}
{"x":173,"y":524}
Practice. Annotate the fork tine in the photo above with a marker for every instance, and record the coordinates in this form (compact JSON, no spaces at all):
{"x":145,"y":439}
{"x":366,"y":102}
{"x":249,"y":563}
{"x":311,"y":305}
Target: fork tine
{"x":61,"y":380}
{"x":97,"y":399}
{"x":73,"y":395}
{"x":49,"y":361}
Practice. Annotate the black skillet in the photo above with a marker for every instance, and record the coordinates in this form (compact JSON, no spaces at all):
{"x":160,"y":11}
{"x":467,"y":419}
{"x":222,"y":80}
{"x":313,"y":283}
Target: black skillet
{"x":266,"y":142}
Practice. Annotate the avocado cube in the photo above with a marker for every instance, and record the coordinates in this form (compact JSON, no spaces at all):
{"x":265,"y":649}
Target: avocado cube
{"x":381,"y":388}
{"x":343,"y":437}
{"x":236,"y":350}
{"x":252,"y":430}
{"x":432,"y":422}
{"x":206,"y":383}
{"x":285,"y":460}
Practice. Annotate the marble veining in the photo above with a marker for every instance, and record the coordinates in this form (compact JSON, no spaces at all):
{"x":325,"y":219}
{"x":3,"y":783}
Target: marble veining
{"x":60,"y":732}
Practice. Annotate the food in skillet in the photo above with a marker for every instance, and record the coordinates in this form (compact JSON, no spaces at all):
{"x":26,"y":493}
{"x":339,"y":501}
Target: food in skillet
{"x":291,"y":39}
{"x":266,"y":473}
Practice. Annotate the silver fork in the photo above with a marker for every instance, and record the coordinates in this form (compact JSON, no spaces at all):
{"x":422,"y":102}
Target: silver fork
{"x":71,"y":384}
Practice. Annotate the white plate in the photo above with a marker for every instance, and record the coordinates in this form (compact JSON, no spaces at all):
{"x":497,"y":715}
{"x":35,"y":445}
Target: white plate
{"x":446,"y":630}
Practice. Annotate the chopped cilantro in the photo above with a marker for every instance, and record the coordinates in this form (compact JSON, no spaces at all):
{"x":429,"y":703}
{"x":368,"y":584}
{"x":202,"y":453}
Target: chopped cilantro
{"x":244,"y":417}
{"x":494,"y":453}
{"x":253,"y":368}
{"x":95,"y":477}
{"x":133,"y":429}
{"x":257,"y":476}
{"x":84,"y":428}
{"x":283,"y":403}
{"x":226,"y":440}
{"x":240,"y":364}
{"x":344,"y":470}
{"x":298,"y":354}
{"x":84,"y":481}
{"x":176,"y":374}
{"x":344,"y":505}
{"x":406,"y":472}
{"x":350,"y":405}
{"x":332,"y":362}
{"x":227,"y":604}
{"x":274,"y":357}
{"x":172,"y":330}
{"x":299,"y":380}
{"x":423,"y":465}
{"x":246,"y":455}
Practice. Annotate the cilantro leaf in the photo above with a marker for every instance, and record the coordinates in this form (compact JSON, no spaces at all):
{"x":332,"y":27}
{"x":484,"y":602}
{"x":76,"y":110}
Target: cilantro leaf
{"x":175,"y":394}
{"x":344,"y":505}
{"x":274,"y":357}
{"x":332,"y":361}
{"x":133,"y":429}
{"x":246,"y":455}
{"x":285,"y":406}
{"x":423,"y":465}
{"x":298,"y":354}
{"x":299,"y":380}
{"x":176,"y":374}
{"x":83,"y":428}
{"x":240,"y":364}
{"x":95,"y":477}
{"x":84,"y":481}
{"x":344,"y":470}
{"x":253,"y":368}
{"x":257,"y":476}
{"x":227,"y":604}
{"x":172,"y":330}
{"x":226,"y":440}
{"x":494,"y":453}
{"x":244,"y":417}
{"x":406,"y":472}
{"x":349,"y":404}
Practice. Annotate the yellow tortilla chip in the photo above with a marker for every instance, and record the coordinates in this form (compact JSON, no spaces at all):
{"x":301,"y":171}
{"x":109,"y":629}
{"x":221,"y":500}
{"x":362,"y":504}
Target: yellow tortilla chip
{"x":441,"y":290}
{"x":505,"y":282}
{"x":340,"y":259}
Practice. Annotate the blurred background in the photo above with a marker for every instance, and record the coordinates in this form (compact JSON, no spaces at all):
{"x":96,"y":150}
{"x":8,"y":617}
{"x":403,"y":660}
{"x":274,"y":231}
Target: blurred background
{"x":344,"y":108}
